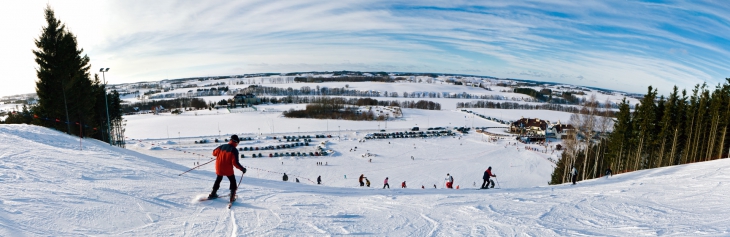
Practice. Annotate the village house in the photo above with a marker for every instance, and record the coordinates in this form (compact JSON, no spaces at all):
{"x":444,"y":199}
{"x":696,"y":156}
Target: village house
{"x":530,"y":127}
{"x":559,"y":130}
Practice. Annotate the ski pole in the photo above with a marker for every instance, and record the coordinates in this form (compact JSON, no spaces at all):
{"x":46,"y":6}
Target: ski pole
{"x":499,"y":186}
{"x":240,"y":179}
{"x":196,"y":167}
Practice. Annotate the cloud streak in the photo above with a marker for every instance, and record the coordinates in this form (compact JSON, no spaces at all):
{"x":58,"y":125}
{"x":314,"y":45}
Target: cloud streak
{"x":624,"y":45}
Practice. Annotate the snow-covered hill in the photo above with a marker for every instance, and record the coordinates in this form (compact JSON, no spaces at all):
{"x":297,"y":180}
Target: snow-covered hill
{"x":51,"y":188}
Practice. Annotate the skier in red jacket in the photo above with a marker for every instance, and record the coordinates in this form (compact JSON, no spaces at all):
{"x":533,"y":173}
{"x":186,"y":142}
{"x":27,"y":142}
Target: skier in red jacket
{"x":226,"y":158}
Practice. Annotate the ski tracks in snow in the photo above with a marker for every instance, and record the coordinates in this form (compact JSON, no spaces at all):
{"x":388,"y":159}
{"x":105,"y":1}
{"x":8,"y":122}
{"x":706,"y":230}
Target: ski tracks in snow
{"x":234,"y":226}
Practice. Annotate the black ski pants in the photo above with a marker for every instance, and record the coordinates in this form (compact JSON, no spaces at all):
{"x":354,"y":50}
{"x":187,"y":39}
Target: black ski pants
{"x":231,"y":179}
{"x":487,"y":182}
{"x":386,"y":185}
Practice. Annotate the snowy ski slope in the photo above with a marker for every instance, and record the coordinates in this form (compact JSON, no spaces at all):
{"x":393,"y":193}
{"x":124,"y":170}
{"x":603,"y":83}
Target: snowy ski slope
{"x":51,"y":188}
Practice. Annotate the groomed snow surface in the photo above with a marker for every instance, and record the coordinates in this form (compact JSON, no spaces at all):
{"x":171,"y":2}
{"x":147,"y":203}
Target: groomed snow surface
{"x":51,"y":188}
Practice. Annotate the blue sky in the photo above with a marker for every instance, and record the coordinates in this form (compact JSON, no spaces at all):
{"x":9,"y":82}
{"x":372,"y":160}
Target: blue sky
{"x":623,"y":45}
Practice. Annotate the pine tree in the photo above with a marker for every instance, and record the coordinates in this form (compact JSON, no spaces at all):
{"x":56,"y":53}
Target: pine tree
{"x":52,"y":76}
{"x":619,"y":139}
{"x":667,"y":133}
{"x":66,"y":93}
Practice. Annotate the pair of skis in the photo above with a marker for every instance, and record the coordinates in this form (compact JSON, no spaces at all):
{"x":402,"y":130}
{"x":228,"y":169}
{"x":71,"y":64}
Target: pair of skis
{"x":222,"y":196}
{"x":227,"y":195}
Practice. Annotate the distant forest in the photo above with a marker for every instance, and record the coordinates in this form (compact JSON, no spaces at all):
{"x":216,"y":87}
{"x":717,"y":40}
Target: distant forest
{"x":342,"y":108}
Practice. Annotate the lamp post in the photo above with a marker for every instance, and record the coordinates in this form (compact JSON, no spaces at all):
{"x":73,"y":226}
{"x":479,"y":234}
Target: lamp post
{"x":106,"y":104}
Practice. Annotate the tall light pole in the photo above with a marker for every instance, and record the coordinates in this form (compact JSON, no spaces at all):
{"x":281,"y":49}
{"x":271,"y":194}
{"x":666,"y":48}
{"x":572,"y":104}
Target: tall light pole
{"x":106,"y":104}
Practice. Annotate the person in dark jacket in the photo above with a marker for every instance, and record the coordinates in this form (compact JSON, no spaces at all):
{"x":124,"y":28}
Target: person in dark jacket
{"x":297,"y":179}
{"x":319,"y":179}
{"x":574,"y":175}
{"x":609,"y":172}
{"x":487,"y":175}
{"x":362,"y":183}
{"x":226,"y":158}
{"x":285,"y":178}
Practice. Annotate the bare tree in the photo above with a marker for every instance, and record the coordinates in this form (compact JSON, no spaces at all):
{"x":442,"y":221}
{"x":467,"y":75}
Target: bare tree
{"x":572,"y":145}
{"x":587,"y":127}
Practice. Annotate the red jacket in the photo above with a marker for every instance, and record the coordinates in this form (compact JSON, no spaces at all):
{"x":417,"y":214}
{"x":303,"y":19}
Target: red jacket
{"x":226,"y":158}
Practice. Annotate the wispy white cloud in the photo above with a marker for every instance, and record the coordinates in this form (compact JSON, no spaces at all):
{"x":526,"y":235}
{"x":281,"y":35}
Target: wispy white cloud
{"x":625,"y":45}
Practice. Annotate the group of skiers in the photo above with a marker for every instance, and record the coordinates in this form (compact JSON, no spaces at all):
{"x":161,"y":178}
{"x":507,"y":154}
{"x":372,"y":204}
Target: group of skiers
{"x":227,"y":158}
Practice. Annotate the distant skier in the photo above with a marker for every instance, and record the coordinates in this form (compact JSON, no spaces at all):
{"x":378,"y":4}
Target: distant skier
{"x":423,"y":187}
{"x":486,"y":177}
{"x":385,"y":183}
{"x":285,"y":178}
{"x":608,"y":172}
{"x":361,"y":180}
{"x":449,"y":181}
{"x":574,"y":175}
{"x":367,"y":182}
{"x":403,"y":185}
{"x":319,"y":179}
{"x":226,"y":158}
{"x":297,"y":179}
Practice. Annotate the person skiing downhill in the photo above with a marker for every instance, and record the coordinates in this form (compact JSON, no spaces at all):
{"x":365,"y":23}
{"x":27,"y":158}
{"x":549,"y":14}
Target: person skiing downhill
{"x":487,"y":175}
{"x":574,"y":175}
{"x":385,"y":183}
{"x":226,"y":158}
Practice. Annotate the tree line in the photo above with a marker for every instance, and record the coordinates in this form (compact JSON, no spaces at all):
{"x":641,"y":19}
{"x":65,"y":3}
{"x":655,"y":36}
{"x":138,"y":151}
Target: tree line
{"x":544,"y":106}
{"x":679,"y":129}
{"x":344,"y":79}
{"x":421,"y":104}
{"x":348,"y":108}
{"x":195,"y":103}
{"x":69,"y":98}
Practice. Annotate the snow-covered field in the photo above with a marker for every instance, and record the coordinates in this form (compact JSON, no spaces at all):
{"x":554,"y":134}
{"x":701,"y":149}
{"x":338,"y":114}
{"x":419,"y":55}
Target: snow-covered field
{"x":207,"y":123}
{"x":51,"y":188}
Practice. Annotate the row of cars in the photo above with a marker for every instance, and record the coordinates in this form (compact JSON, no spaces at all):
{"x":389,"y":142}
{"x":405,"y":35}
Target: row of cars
{"x":411,"y":134}
{"x":505,"y":122}
{"x":272,"y":147}
{"x":287,"y":154}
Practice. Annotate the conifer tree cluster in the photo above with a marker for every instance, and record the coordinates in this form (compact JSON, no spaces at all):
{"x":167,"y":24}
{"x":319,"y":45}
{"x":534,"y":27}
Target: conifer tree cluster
{"x":69,"y":100}
{"x":682,"y":128}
